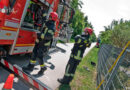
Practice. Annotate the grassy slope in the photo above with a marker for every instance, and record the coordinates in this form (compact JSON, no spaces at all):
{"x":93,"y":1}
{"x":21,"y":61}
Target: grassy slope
{"x":83,"y":79}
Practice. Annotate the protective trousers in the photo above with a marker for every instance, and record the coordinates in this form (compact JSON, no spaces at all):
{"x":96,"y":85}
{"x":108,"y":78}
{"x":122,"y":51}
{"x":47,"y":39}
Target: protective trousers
{"x":70,"y":70}
{"x":40,"y":50}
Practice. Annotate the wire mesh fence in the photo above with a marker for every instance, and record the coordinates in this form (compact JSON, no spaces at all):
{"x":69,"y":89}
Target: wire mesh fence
{"x":119,"y":77}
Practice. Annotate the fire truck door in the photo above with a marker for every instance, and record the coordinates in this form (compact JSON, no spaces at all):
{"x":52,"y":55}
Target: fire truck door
{"x":25,"y":41}
{"x":14,"y":18}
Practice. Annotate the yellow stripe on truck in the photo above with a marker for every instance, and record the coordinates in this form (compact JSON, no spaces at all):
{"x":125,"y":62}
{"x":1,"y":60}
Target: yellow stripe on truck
{"x":19,"y":45}
{"x":10,"y":29}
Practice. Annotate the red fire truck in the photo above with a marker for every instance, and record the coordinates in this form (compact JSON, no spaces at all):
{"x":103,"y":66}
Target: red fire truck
{"x":17,"y":32}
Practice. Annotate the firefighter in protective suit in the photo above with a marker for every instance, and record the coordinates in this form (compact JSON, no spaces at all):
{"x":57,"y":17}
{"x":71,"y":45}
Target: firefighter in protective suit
{"x":81,"y":42}
{"x":42,"y":45}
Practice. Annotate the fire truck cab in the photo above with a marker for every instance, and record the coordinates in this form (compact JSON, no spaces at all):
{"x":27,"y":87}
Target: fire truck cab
{"x":19,"y":23}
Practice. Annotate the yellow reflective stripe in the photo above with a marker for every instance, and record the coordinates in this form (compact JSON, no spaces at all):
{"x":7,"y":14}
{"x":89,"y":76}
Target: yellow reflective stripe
{"x":78,"y":55}
{"x":42,"y":65}
{"x":46,"y":30}
{"x":24,"y":45}
{"x":32,"y":61}
{"x":10,"y":29}
{"x":79,"y":40}
{"x":66,"y":72}
{"x":44,"y":15}
{"x":69,"y":74}
{"x":80,"y":45}
{"x":43,"y":34}
{"x":47,"y":44}
{"x":72,"y":75}
{"x":51,"y":32}
{"x":87,"y":44}
{"x":85,"y":41}
{"x":78,"y":58}
{"x":31,"y":3}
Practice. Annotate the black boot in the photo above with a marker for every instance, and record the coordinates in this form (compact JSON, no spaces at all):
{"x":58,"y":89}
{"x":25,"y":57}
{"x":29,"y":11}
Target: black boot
{"x":29,"y":67}
{"x":41,"y":72}
{"x":63,"y":81}
{"x":60,"y":81}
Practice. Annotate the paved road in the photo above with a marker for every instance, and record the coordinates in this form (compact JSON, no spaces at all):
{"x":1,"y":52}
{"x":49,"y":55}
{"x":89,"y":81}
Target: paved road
{"x":17,"y":85}
{"x":56,"y":62}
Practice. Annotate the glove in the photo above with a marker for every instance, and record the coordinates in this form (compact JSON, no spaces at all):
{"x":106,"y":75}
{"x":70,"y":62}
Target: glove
{"x":88,"y":44}
{"x":37,"y":40}
{"x":42,"y":36}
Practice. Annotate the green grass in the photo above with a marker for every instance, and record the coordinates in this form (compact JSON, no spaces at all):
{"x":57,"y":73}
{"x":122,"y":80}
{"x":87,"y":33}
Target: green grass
{"x":60,"y":41}
{"x":83,"y":79}
{"x":71,"y":40}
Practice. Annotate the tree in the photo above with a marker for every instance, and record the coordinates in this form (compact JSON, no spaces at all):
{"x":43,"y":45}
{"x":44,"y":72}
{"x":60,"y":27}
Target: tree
{"x":79,"y":21}
{"x":93,"y":37}
{"x":118,"y":35}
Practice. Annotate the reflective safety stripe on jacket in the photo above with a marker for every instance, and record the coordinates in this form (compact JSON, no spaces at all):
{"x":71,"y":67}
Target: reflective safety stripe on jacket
{"x":48,"y":43}
{"x":43,"y":65}
{"x":43,"y":34}
{"x":32,"y":61}
{"x":78,"y":56}
{"x":49,"y":31}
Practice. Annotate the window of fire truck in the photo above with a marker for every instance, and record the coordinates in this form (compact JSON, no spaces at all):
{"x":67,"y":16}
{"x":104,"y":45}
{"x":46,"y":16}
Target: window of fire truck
{"x":11,"y":5}
{"x":35,"y":16}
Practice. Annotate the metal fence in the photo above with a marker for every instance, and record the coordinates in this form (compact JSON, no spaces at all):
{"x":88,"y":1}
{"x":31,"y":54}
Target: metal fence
{"x":113,"y":71}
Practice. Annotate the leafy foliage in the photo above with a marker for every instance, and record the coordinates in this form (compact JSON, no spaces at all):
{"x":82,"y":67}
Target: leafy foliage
{"x":80,"y":21}
{"x":118,"y":33}
{"x":93,"y":38}
{"x":86,"y":79}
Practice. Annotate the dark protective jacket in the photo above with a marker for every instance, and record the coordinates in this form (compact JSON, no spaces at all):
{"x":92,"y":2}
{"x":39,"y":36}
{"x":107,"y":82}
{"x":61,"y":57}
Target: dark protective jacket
{"x":81,"y":42}
{"x":46,"y":36}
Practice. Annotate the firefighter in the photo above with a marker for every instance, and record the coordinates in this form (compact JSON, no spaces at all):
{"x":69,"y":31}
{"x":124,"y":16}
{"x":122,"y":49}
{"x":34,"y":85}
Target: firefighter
{"x":98,"y":43}
{"x":42,"y":45}
{"x":81,"y":42}
{"x":40,"y":17}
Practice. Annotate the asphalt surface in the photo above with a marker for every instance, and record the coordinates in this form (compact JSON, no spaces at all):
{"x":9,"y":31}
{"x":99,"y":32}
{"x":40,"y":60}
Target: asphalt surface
{"x":18,"y":84}
{"x":56,"y":62}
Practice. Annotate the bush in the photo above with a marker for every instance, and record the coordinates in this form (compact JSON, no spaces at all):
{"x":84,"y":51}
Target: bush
{"x":118,"y":36}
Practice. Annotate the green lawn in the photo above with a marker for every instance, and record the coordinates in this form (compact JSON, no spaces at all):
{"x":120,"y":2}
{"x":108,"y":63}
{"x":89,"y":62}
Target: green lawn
{"x":83,"y":79}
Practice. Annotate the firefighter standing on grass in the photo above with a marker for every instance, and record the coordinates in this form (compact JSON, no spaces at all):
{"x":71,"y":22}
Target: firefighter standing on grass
{"x":81,"y":42}
{"x":42,"y":45}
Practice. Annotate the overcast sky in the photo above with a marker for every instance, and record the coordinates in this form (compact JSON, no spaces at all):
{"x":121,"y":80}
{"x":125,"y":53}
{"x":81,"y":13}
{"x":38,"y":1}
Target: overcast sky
{"x":101,"y":12}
